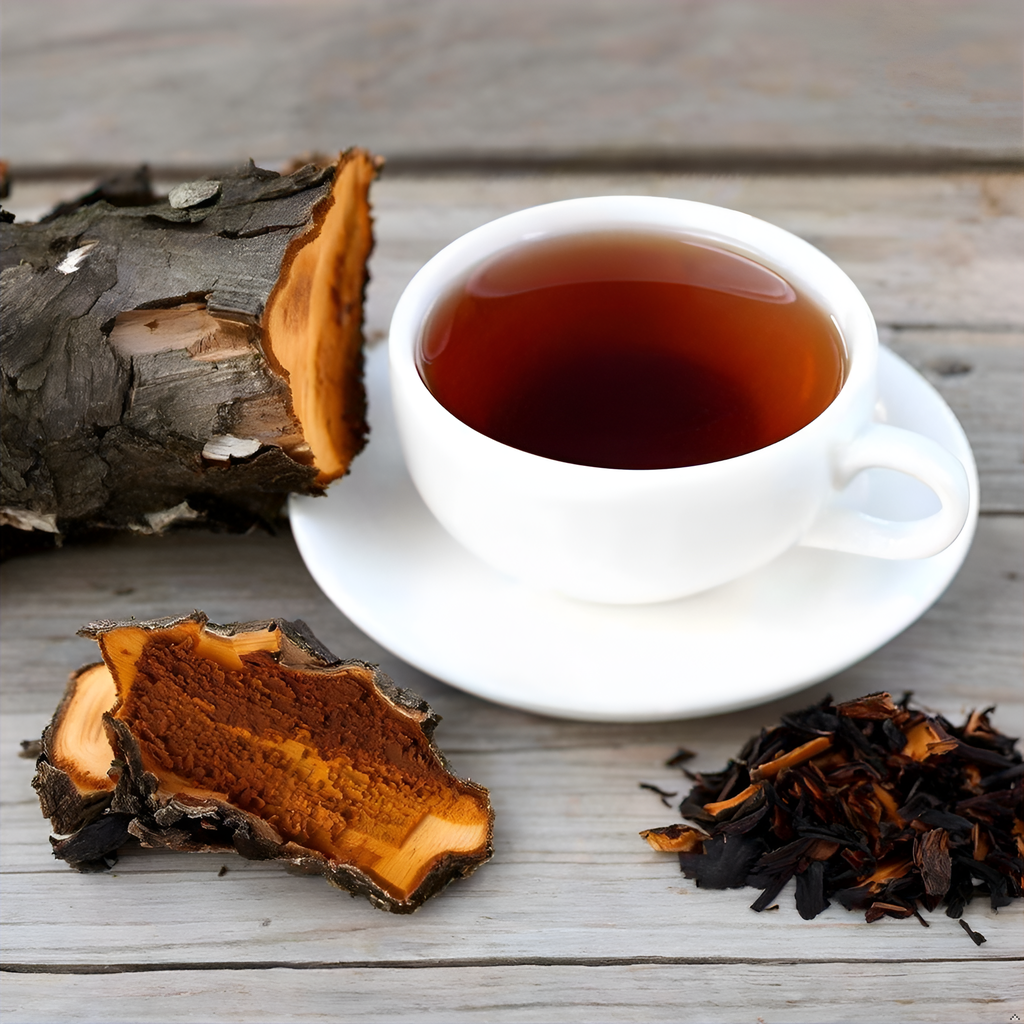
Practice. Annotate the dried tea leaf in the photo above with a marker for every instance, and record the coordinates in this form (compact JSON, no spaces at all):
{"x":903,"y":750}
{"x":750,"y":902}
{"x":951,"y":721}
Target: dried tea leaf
{"x":931,"y":855}
{"x":674,"y":838}
{"x":790,"y":759}
{"x":681,"y":756}
{"x":725,"y":862}
{"x":663,"y":793}
{"x":874,"y":705}
{"x":881,"y":807}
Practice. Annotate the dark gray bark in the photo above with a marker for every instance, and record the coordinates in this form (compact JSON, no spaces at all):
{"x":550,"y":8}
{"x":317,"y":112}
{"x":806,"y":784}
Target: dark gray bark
{"x":122,"y":419}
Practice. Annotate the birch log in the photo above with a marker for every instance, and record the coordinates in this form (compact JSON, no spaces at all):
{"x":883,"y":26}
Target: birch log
{"x":192,"y":357}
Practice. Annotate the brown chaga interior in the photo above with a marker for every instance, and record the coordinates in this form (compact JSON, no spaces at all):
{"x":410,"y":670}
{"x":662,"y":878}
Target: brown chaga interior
{"x":333,"y":765}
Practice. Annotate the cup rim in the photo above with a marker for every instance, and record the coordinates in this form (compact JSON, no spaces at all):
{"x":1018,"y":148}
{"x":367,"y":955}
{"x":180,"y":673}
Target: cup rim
{"x":731,"y":229}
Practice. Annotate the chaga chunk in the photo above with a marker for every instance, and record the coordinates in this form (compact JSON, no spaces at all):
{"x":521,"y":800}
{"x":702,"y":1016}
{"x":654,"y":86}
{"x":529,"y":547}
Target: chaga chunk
{"x":214,"y":341}
{"x":253,"y":736}
{"x":884,"y":808}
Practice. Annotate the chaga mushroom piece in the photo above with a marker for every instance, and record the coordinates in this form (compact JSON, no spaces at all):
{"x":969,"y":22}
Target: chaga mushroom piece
{"x":253,"y":736}
{"x":192,"y":358}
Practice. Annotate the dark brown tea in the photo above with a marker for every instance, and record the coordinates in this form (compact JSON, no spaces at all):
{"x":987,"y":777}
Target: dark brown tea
{"x":630,"y":350}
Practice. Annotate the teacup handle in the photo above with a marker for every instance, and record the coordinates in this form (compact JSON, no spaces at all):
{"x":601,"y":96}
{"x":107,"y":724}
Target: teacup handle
{"x":839,"y":528}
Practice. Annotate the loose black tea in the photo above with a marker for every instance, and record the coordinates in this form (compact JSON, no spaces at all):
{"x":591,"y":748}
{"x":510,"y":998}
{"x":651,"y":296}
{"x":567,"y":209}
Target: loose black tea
{"x":879,"y":806}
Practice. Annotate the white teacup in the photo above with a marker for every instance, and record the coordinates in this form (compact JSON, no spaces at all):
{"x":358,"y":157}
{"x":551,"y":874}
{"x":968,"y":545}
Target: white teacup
{"x":635,"y":536}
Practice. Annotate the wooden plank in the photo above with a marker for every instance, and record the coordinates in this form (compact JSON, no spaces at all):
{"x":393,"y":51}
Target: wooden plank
{"x":926,"y":250}
{"x":571,"y":917}
{"x":938,"y":257}
{"x":981,"y":375}
{"x":623,"y":78}
{"x":852,"y":992}
{"x":574,"y":912}
{"x":570,"y":878}
{"x":963,"y":652}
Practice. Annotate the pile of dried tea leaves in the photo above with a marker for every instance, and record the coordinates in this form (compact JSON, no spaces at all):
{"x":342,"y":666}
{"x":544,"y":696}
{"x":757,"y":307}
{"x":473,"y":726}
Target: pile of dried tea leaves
{"x":885,"y":808}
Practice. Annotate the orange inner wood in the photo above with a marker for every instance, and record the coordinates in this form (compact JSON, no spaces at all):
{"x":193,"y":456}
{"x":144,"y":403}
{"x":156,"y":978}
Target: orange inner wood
{"x":794,"y":757}
{"x":735,"y":801}
{"x":923,"y":740}
{"x":320,"y":755}
{"x":80,"y":746}
{"x":674,"y":839}
{"x":313,"y":320}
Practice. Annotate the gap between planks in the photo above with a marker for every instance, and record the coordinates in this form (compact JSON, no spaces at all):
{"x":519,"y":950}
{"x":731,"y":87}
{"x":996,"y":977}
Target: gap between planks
{"x":458,"y":963}
{"x":732,"y":160}
{"x":966,"y":328}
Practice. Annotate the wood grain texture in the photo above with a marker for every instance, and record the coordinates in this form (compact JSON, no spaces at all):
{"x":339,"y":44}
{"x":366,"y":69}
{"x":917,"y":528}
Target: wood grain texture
{"x":570,"y":877}
{"x":575,"y":918}
{"x":965,"y":650}
{"x":608,"y":79}
{"x":723,"y":993}
{"x":981,"y":375}
{"x":926,"y":250}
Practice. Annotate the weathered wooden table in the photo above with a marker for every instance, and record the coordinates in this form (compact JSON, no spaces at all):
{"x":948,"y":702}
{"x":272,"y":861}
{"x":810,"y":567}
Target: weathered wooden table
{"x":575,"y":918}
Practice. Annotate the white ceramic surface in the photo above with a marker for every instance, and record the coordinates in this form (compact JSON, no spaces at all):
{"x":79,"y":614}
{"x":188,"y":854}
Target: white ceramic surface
{"x":635,"y":536}
{"x":382,"y":558}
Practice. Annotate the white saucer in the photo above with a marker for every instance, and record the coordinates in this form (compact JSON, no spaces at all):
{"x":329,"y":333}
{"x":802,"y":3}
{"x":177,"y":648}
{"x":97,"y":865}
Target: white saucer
{"x":381,"y":557}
